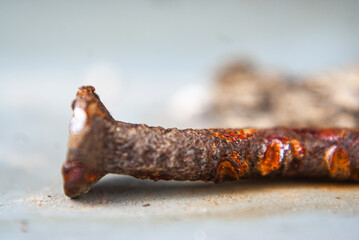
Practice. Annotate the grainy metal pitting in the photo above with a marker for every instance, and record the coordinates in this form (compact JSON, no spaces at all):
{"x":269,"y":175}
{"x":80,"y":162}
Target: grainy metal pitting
{"x":99,"y":145}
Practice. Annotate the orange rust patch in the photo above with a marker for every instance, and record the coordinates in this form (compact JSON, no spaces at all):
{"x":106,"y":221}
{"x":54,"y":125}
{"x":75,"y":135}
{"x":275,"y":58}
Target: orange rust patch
{"x":233,"y":135}
{"x":331,"y":134}
{"x":246,"y":133}
{"x":297,"y":149}
{"x":243,"y":167}
{"x":227,"y":172}
{"x":90,"y":176}
{"x":94,"y":109}
{"x":272,"y":158}
{"x":85,"y":91}
{"x":338,"y":163}
{"x":100,"y":113}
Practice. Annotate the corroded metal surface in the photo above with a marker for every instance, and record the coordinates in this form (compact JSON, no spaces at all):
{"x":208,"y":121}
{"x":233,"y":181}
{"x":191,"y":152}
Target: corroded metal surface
{"x":99,"y":145}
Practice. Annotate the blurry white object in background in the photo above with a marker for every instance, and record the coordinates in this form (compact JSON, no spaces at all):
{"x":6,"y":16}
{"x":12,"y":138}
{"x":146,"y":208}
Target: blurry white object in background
{"x":189,"y":103}
{"x":246,"y":96}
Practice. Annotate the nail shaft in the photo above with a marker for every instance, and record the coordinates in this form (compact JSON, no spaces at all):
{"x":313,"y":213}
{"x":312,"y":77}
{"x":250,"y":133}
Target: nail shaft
{"x":99,"y":145}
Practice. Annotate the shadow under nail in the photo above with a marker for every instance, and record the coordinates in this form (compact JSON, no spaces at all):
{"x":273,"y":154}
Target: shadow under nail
{"x":117,"y":189}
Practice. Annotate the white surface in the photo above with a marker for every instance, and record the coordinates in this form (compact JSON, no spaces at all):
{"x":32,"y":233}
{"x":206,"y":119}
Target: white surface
{"x":130,"y":209}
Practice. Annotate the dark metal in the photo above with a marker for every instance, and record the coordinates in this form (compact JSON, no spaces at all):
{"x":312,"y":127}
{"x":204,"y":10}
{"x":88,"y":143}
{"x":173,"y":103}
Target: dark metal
{"x":99,"y":145}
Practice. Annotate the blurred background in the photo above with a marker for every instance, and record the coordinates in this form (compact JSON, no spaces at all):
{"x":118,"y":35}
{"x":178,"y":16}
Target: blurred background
{"x":169,"y":63}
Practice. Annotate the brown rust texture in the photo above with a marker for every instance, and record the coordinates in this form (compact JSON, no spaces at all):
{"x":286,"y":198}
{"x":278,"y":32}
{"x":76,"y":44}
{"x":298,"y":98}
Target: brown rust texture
{"x":99,"y":145}
{"x":223,"y":154}
{"x":317,"y":153}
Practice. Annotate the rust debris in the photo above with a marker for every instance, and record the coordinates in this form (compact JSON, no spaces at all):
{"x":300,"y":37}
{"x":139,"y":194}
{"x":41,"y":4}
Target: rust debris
{"x":99,"y":145}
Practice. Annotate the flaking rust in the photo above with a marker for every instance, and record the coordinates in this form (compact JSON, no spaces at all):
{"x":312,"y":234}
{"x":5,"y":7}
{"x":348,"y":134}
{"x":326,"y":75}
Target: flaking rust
{"x":99,"y":145}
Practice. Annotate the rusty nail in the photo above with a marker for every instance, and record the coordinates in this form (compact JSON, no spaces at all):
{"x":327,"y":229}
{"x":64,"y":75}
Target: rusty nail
{"x":99,"y":145}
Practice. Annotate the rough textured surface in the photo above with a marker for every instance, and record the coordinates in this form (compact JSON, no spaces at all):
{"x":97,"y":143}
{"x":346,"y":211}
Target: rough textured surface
{"x":99,"y":145}
{"x":210,"y":154}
